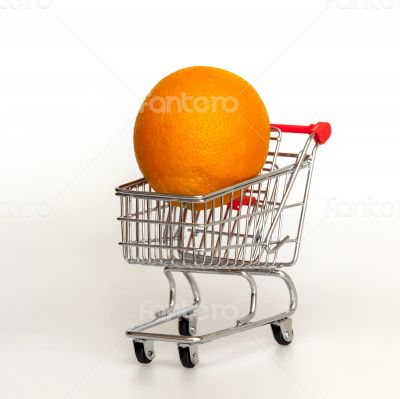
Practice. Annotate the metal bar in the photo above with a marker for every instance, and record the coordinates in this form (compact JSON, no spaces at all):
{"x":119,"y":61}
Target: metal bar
{"x":305,"y":202}
{"x":172,"y":295}
{"x":279,"y":244}
{"x":253,"y":299}
{"x":163,"y":319}
{"x":202,"y":339}
{"x":289,"y":187}
{"x":208,"y":197}
{"x":199,"y":250}
{"x":133,"y":218}
{"x":194,"y":287}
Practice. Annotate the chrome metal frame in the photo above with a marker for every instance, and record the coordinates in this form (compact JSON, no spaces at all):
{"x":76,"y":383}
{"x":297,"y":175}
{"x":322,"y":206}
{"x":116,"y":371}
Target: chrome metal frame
{"x":242,"y":324}
{"x":238,"y":231}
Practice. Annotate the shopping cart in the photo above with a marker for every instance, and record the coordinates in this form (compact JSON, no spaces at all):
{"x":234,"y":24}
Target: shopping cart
{"x":250,"y":228}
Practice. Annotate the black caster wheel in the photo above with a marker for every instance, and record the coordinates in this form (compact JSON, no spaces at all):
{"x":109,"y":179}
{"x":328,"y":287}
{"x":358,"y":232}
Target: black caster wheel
{"x":183,"y":326}
{"x":144,"y":351}
{"x":186,"y":326}
{"x":283,"y":332}
{"x":188,"y":356}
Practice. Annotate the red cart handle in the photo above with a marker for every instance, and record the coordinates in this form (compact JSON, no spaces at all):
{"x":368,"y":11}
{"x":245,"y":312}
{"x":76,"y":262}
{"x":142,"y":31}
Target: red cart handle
{"x":321,"y":130}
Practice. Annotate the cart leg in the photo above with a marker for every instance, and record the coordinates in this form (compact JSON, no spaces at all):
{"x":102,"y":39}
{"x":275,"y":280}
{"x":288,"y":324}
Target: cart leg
{"x":170,"y":313}
{"x":172,"y":295}
{"x":282,"y":329}
{"x":188,"y":322}
{"x":290,"y":286}
{"x":194,"y":287}
{"x":253,"y":299}
{"x":172,"y":292}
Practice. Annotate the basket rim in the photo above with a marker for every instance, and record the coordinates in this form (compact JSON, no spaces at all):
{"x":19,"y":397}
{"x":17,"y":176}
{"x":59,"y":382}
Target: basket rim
{"x":123,"y":190}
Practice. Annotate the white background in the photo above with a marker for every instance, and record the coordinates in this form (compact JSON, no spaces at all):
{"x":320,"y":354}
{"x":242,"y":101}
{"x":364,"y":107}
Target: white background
{"x":72,"y":77}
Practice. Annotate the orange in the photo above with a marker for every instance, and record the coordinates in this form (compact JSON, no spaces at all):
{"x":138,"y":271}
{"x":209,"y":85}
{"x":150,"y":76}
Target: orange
{"x":201,"y":129}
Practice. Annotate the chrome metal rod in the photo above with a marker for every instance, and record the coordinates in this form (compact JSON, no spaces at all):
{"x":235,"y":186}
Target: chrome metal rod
{"x":172,"y":294}
{"x":125,"y":191}
{"x":202,"y":339}
{"x":305,"y":201}
{"x":194,"y":287}
{"x":292,"y":179}
{"x":279,"y":244}
{"x":290,"y":286}
{"x":163,"y":319}
{"x":170,"y":314}
{"x":253,"y":299}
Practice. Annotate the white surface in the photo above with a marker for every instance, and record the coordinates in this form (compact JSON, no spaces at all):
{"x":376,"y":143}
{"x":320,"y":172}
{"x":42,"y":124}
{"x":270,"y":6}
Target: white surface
{"x":73,"y":75}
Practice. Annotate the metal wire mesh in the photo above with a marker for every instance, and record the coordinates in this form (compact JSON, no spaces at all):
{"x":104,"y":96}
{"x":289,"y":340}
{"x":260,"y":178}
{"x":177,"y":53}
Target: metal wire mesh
{"x":258,"y":225}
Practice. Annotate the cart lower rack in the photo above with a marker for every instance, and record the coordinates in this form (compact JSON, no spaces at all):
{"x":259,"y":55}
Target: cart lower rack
{"x":250,"y":228}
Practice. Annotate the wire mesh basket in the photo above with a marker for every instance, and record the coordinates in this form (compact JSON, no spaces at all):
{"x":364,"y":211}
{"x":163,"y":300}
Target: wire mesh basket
{"x":253,"y":225}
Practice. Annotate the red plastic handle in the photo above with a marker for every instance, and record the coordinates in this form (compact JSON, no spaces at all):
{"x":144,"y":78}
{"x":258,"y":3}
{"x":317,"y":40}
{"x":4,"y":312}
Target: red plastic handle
{"x":321,"y":130}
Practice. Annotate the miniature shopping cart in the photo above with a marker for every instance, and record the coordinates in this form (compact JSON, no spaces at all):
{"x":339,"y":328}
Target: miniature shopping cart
{"x":250,"y":228}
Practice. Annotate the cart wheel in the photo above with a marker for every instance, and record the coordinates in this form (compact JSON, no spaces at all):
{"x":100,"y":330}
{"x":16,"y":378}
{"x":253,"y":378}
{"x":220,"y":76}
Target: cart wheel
{"x":283,"y":332}
{"x":144,"y":351}
{"x":183,"y":326}
{"x":188,"y":356}
{"x":187,"y":326}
